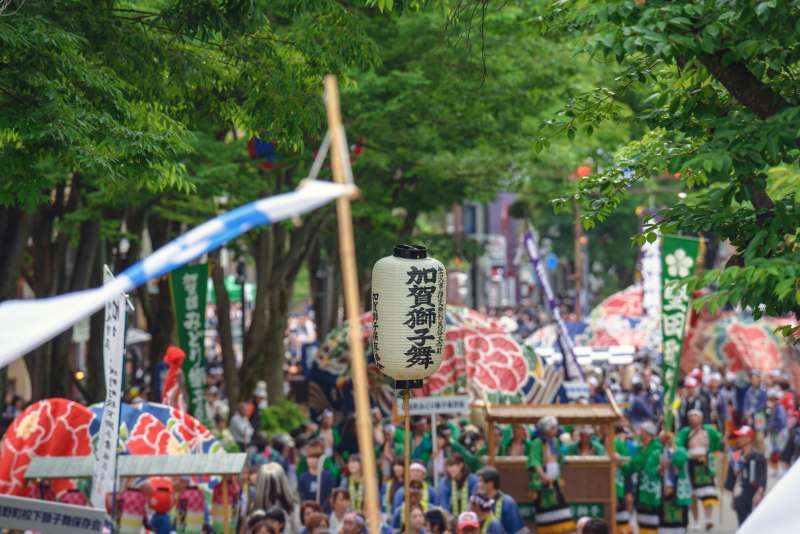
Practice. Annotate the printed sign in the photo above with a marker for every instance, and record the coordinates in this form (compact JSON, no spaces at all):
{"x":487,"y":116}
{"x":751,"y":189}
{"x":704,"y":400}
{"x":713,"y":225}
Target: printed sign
{"x":44,"y":516}
{"x":189,"y":291}
{"x":679,"y":257}
{"x":105,"y":467}
{"x":453,"y":404}
{"x":576,"y":389}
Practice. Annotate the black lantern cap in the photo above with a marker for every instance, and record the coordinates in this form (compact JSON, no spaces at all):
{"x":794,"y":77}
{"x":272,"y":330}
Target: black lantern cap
{"x":408,"y":384}
{"x":410,"y":252}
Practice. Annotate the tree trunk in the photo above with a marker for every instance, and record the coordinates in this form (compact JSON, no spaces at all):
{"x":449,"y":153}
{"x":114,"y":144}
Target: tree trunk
{"x":274,"y":346}
{"x":15,"y":226}
{"x":224,"y":330}
{"x":279,"y":255}
{"x":95,"y":379}
{"x":324,"y":281}
{"x":84,"y":262}
{"x":158,"y":307}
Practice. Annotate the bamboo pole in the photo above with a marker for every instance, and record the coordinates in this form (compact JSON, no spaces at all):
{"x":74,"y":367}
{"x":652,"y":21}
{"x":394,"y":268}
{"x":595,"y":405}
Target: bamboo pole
{"x":226,"y":507}
{"x":407,"y":459}
{"x":352,"y":307}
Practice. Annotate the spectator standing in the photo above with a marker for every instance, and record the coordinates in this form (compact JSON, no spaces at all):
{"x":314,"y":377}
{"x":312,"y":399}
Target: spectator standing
{"x":777,"y":421}
{"x":755,"y":400}
{"x":394,"y":484}
{"x":791,"y":452}
{"x":428,"y":496}
{"x":340,"y":506}
{"x":241,"y":429}
{"x":259,"y":403}
{"x":640,"y":409}
{"x":272,"y":489}
{"x":505,"y":508}
{"x":435,"y":521}
{"x":483,"y":506}
{"x":459,"y":485}
{"x":747,"y":475}
{"x":354,"y":482}
{"x":316,"y":483}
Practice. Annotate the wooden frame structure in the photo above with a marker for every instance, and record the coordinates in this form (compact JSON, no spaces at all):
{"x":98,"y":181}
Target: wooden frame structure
{"x":583,"y":469}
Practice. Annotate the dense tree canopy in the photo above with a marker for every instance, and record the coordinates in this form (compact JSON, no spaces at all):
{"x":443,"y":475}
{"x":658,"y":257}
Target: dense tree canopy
{"x":721,"y":104}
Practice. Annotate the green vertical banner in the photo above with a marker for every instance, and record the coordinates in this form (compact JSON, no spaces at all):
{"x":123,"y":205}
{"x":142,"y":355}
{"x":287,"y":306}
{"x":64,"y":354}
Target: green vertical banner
{"x":678,"y":261}
{"x":189,"y":287}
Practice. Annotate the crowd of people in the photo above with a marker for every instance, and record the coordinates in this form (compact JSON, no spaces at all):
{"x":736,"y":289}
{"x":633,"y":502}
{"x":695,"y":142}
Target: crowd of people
{"x":738,"y":423}
{"x":743,"y":425}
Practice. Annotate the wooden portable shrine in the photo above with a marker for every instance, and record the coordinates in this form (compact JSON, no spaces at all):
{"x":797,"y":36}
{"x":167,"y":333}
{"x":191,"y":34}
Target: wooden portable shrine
{"x":589,"y":480}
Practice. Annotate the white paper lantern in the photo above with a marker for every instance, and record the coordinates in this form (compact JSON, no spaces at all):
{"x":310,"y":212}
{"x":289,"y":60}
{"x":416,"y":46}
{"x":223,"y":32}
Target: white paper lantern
{"x":409,"y":292}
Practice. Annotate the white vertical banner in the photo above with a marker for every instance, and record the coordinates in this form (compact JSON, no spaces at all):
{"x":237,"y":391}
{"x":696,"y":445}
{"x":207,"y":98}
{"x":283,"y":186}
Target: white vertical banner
{"x":651,"y":289}
{"x":651,"y":278}
{"x":104,"y":472}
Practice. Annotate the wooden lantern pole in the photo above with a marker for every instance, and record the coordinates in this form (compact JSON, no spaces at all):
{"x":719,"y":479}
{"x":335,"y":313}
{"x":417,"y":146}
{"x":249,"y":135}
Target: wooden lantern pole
{"x":226,"y":506}
{"x":407,"y":459}
{"x":352,"y":307}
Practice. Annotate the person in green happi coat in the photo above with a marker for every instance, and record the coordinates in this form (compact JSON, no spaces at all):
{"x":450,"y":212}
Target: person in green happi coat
{"x":645,"y":465}
{"x":701,"y":442}
{"x":421,"y":441}
{"x":587,"y":444}
{"x":676,"y":490}
{"x":623,"y":483}
{"x":553,"y":514}
{"x":515,"y":441}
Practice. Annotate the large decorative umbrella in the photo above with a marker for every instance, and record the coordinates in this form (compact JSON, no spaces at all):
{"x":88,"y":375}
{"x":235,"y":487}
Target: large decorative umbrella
{"x":620,"y":320}
{"x":739,"y":342}
{"x":627,"y":303}
{"x":60,"y":427}
{"x":546,"y":337}
{"x":480,"y":359}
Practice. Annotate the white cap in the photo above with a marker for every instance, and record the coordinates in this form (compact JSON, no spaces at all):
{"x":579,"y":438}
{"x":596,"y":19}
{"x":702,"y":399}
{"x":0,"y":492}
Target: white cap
{"x":416,"y":466}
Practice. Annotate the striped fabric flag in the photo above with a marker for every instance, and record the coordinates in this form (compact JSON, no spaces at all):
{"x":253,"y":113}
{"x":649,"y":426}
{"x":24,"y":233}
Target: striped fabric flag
{"x":26,"y":324}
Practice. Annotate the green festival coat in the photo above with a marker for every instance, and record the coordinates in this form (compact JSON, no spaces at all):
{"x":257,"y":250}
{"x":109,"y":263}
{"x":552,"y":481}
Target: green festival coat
{"x":645,"y":463}
{"x":683,"y":489}
{"x":714,"y":443}
{"x":536,"y":458}
{"x":573,"y":449}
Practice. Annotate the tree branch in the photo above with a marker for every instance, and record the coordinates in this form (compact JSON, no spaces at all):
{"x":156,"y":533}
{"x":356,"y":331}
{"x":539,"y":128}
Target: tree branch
{"x":743,"y":85}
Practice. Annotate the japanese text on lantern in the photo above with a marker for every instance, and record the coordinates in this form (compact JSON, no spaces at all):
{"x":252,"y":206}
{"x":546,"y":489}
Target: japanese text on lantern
{"x":195,"y":331}
{"x":421,"y":316}
{"x":375,"y":342}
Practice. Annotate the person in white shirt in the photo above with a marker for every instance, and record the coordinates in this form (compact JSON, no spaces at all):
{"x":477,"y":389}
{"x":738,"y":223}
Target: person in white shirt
{"x":241,"y":429}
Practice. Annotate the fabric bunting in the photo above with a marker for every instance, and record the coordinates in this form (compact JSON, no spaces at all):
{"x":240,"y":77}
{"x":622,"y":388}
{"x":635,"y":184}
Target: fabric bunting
{"x":26,"y":324}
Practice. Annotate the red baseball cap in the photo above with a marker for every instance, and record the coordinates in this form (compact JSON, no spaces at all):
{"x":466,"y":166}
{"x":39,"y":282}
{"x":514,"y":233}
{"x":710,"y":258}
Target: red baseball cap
{"x":468,"y":519}
{"x":745,"y":432}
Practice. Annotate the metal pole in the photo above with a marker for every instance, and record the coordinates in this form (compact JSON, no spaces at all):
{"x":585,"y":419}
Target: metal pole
{"x":347,"y":253}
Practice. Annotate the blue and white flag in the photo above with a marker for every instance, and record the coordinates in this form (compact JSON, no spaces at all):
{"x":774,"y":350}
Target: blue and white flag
{"x":26,"y":324}
{"x":571,"y":367}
